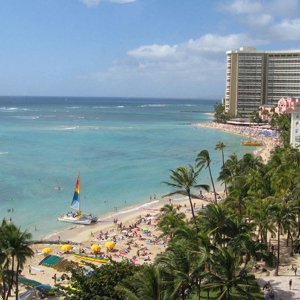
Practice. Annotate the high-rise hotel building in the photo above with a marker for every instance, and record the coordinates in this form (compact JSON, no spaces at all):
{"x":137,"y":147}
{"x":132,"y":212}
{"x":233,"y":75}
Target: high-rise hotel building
{"x":254,"y":78}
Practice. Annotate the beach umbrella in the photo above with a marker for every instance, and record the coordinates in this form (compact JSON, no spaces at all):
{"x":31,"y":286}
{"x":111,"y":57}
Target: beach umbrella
{"x":110,"y":245}
{"x":46,"y":250}
{"x":66,"y":248}
{"x":96,"y":248}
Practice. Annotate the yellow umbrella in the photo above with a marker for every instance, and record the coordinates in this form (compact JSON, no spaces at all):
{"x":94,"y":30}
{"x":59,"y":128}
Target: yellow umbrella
{"x":110,"y":245}
{"x":47,"y":250}
{"x":66,"y":248}
{"x":96,"y":248}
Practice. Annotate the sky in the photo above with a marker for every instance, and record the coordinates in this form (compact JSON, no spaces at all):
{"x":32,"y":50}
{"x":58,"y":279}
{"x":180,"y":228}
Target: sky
{"x":134,"y":48}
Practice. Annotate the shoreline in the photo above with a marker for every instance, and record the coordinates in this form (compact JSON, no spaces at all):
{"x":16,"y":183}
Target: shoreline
{"x":79,"y":232}
{"x":269,"y":143}
{"x":127,"y":242}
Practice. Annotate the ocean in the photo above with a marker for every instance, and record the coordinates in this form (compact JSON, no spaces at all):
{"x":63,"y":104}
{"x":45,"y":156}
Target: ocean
{"x":122,"y":147}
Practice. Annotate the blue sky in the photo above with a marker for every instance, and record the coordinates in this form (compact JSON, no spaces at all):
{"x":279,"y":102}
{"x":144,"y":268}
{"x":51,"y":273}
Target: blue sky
{"x":134,"y":48}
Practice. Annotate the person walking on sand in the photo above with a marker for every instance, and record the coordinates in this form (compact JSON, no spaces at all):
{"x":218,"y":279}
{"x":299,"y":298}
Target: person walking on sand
{"x":290,"y":284}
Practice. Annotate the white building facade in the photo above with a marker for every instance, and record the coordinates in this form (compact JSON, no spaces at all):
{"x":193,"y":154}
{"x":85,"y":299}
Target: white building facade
{"x":295,"y":128}
{"x":254,"y":78}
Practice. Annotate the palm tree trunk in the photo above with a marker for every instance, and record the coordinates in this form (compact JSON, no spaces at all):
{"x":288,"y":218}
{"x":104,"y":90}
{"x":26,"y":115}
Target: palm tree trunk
{"x":212,"y":183}
{"x":298,"y":225}
{"x":11,"y":278}
{"x":3,"y":286}
{"x":278,"y":251}
{"x":17,"y":280}
{"x":292,"y":245}
{"x":199,"y":290}
{"x":192,"y":209}
{"x":226,"y":192}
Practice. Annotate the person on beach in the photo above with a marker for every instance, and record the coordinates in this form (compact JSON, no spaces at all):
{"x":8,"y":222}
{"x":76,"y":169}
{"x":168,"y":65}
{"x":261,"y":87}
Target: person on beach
{"x":294,"y":269}
{"x":290,"y":284}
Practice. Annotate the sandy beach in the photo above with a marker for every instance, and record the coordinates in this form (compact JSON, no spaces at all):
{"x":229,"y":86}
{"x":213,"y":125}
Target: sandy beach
{"x":269,"y":143}
{"x":133,"y":230}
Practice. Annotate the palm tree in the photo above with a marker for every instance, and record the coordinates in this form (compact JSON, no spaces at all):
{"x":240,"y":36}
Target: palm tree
{"x":231,"y":171}
{"x":227,"y":275}
{"x":21,"y":251}
{"x":14,"y":245}
{"x":203,"y":160}
{"x":170,"y":220}
{"x":261,"y":216}
{"x":183,"y":267}
{"x":213,"y":221}
{"x":147,"y":284}
{"x":220,"y":147}
{"x":283,"y":217}
{"x":236,"y":201}
{"x":184,"y":179}
{"x":196,"y":242}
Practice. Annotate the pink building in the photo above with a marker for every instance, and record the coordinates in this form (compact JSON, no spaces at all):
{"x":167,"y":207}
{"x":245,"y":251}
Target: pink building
{"x":284,"y":105}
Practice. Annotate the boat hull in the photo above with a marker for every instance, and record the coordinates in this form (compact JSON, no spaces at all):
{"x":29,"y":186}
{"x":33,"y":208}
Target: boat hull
{"x":82,"y":219}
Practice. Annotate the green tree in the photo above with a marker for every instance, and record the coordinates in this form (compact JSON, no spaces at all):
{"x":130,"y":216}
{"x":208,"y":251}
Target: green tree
{"x":213,"y":222}
{"x":184,"y":179}
{"x":170,"y":220}
{"x":220,"y":115}
{"x":14,"y":250}
{"x":146,"y":284}
{"x":262,"y":218}
{"x":184,"y":268}
{"x":283,"y":217}
{"x":229,"y":277}
{"x":100,"y":283}
{"x":203,"y":161}
{"x":283,"y":124}
{"x":220,"y":147}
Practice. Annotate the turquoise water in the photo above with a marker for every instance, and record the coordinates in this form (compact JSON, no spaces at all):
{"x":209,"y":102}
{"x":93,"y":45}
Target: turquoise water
{"x":123,"y":148}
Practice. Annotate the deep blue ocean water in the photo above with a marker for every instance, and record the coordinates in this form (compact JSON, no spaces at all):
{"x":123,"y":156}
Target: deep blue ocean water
{"x":123,"y":148}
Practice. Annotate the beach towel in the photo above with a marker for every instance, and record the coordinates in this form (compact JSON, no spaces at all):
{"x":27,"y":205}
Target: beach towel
{"x":28,"y":295}
{"x":37,"y":269}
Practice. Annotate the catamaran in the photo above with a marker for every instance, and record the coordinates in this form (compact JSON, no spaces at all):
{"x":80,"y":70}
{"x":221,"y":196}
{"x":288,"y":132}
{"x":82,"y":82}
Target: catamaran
{"x":77,"y":216}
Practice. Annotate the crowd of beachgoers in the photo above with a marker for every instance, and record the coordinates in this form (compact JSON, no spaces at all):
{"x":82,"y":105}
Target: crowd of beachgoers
{"x":268,"y":137}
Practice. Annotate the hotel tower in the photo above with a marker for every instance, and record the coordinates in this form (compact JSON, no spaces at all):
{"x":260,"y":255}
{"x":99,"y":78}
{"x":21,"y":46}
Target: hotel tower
{"x":254,"y":78}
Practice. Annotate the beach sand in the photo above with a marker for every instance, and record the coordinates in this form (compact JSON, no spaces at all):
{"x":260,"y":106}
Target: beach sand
{"x":138,"y":245}
{"x":269,"y":143}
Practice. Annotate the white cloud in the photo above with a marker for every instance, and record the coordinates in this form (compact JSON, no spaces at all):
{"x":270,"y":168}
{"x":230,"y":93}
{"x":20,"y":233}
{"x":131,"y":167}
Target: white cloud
{"x":123,"y":1}
{"x":213,"y":43}
{"x":271,"y":20}
{"x":242,"y":7}
{"x":283,"y":8}
{"x":250,"y":7}
{"x":261,"y":20}
{"x":287,"y":30}
{"x":153,"y":51}
{"x":91,"y":3}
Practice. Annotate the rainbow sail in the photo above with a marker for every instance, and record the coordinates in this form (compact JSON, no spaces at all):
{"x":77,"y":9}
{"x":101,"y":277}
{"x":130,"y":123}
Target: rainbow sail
{"x":75,"y":201}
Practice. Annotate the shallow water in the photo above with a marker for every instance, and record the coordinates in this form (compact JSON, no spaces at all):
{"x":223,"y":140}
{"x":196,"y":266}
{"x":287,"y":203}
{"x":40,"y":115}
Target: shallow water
{"x":123,"y":149}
